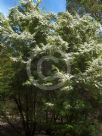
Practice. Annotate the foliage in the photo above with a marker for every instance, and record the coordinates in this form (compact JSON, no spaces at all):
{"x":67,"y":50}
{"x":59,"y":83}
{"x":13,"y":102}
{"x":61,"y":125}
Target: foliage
{"x":94,"y":7}
{"x":73,"y":108}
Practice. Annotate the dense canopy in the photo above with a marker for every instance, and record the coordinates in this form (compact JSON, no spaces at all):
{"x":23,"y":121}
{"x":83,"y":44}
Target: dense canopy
{"x":61,"y":99}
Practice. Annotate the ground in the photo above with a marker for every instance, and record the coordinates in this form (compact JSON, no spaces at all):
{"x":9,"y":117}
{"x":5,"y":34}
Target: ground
{"x":6,"y":130}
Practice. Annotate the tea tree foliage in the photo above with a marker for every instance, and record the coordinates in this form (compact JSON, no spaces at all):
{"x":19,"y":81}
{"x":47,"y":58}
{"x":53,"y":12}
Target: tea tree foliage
{"x":77,"y":104}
